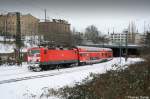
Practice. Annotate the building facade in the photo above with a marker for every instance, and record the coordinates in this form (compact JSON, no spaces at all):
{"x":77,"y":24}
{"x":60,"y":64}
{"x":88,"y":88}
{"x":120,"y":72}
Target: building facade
{"x":117,"y":38}
{"x":139,"y":39}
{"x":29,"y":25}
{"x":57,"y":31}
{"x":120,"y":38}
{"x":132,"y":38}
{"x":8,"y":24}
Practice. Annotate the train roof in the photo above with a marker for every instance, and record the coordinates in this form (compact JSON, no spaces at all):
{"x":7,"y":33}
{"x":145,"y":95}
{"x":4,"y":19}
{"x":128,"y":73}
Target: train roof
{"x":94,"y":48}
{"x":86,"y":48}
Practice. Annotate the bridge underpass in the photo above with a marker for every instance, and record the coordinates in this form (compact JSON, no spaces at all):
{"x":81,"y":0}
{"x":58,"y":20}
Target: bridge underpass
{"x":131,"y":52}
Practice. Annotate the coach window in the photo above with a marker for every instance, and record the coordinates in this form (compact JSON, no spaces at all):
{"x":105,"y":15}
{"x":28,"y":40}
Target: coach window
{"x":82,"y":55}
{"x":45,"y":51}
{"x":105,"y":54}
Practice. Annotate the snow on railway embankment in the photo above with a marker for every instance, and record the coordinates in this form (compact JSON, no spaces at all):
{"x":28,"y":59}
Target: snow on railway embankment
{"x":63,"y":77}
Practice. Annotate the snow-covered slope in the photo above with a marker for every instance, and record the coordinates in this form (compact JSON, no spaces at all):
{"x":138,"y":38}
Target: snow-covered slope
{"x":34,"y":87}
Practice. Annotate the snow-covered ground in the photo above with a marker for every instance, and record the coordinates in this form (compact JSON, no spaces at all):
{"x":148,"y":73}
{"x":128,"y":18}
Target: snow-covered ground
{"x":33,"y":88}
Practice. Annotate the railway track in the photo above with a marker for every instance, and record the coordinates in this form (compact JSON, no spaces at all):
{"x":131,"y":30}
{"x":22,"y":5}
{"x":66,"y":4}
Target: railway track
{"x":25,"y":78}
{"x":42,"y":75}
{"x":39,"y":76}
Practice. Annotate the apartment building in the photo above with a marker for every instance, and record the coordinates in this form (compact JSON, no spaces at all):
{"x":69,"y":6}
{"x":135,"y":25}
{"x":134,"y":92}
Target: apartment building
{"x":8,"y":24}
{"x":117,"y":38}
{"x":57,"y":31}
{"x":132,"y":38}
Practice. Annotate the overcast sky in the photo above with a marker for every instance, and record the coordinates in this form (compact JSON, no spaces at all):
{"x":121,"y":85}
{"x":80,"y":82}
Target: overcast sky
{"x":105,"y":14}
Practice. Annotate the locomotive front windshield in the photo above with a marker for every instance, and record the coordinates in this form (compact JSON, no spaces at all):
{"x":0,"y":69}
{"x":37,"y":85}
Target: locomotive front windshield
{"x":32,"y":52}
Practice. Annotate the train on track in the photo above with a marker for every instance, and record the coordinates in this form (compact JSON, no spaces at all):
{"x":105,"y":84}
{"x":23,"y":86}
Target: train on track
{"x":43,"y":58}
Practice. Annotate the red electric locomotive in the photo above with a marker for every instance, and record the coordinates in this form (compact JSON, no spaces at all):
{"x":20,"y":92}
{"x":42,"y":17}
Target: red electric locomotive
{"x":45,"y":58}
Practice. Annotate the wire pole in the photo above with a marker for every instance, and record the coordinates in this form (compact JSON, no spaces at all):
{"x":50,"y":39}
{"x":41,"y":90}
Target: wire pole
{"x":126,"y":55}
{"x":45,"y":14}
{"x":120,"y":48}
{"x":18,"y":37}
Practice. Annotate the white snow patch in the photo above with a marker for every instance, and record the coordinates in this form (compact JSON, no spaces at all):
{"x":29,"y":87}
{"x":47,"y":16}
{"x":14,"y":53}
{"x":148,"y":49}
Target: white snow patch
{"x":7,"y":48}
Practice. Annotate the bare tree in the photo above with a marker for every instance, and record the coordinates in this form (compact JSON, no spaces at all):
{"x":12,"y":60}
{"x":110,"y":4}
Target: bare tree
{"x":76,"y":37}
{"x":92,"y":33}
{"x":103,"y":39}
